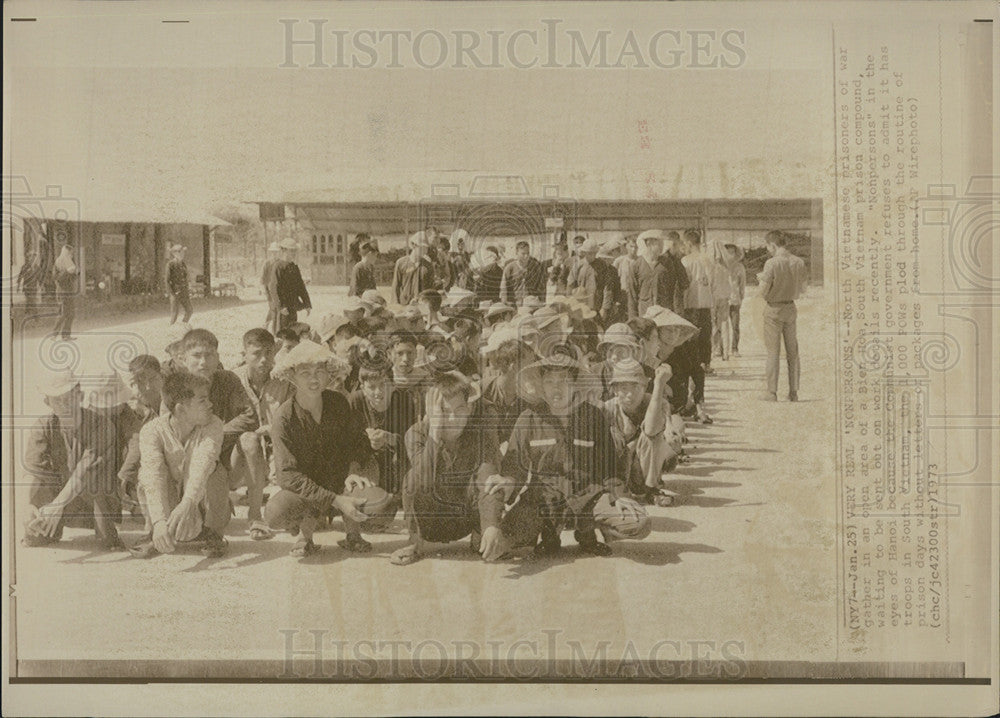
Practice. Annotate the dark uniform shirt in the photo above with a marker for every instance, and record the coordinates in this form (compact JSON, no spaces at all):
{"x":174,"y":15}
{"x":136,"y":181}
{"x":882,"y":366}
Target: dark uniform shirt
{"x":177,"y":276}
{"x":312,"y":459}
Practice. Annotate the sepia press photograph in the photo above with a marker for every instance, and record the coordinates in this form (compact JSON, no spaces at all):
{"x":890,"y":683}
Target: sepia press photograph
{"x":426,"y":347}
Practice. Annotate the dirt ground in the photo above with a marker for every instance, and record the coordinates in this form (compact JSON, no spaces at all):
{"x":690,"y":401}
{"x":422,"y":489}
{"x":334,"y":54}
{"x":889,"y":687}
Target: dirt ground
{"x":747,"y":555}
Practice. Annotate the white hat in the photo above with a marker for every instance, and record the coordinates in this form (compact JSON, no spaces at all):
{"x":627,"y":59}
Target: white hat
{"x":589,"y":245}
{"x":650,"y":234}
{"x":178,"y":248}
{"x":309,"y":352}
{"x":372,"y":298}
{"x":507,"y":333}
{"x":289,"y":243}
{"x":459,"y":234}
{"x":107,"y":392}
{"x":329,"y":325}
{"x":419,"y":239}
{"x":353,"y":304}
{"x":679,"y":328}
{"x":274,"y":247}
{"x":496,"y":309}
{"x":57,"y":383}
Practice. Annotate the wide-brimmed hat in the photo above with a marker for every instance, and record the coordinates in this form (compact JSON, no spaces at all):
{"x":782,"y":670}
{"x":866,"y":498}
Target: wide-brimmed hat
{"x":530,"y":304}
{"x":546,"y":316}
{"x":57,"y":383}
{"x":274,"y":247}
{"x":649,"y":234}
{"x":505,"y":334}
{"x":289,"y":243}
{"x":459,"y":297}
{"x":618,"y":334}
{"x":459,"y":234}
{"x":611,"y":246}
{"x":406,"y":311}
{"x":352,"y":304}
{"x":107,"y":392}
{"x":589,"y":245}
{"x":672,"y":329}
{"x":497,"y":309}
{"x":329,"y":325}
{"x":471,"y":385}
{"x":371,"y":298}
{"x":309,"y":352}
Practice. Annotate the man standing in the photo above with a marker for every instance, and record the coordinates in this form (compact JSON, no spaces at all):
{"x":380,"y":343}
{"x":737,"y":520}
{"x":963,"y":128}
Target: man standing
{"x":732,"y":260}
{"x":781,"y":282}
{"x":442,"y":264}
{"x":489,"y":277}
{"x":704,"y":275}
{"x":27,"y":281}
{"x":414,"y":272}
{"x":177,"y":284}
{"x":65,"y":274}
{"x":267,"y":282}
{"x":625,"y":262}
{"x":461,"y":270}
{"x":363,"y":273}
{"x":674,"y":282}
{"x":644,"y":281}
{"x":523,"y":277}
{"x":556,"y":272}
{"x":597,"y":281}
{"x":288,"y":286}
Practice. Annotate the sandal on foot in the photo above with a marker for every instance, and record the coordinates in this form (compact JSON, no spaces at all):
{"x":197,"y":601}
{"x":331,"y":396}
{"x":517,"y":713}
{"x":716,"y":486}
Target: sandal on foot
{"x":303,"y":548}
{"x":355,"y":544}
{"x":260,"y":531}
{"x":405,"y":556}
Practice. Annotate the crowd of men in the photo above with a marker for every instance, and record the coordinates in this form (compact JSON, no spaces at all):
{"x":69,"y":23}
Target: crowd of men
{"x":504,"y":403}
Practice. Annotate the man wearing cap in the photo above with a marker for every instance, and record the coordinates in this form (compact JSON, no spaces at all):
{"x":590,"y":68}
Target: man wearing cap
{"x":556,"y":271}
{"x":706,"y":278}
{"x":523,"y":277}
{"x":177,"y":284}
{"x":562,"y":453}
{"x":783,"y":279}
{"x":288,"y":286}
{"x":460,"y":267}
{"x":597,"y":281}
{"x":322,"y":455}
{"x":413,"y":272}
{"x":507,"y":354}
{"x":363,"y":272}
{"x":489,"y":278}
{"x":267,"y":283}
{"x":646,"y":444}
{"x":66,"y":276}
{"x":452,"y":458}
{"x":71,"y":456}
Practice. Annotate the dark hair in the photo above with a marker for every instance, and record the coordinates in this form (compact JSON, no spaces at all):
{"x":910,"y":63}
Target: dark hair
{"x":693,"y":236}
{"x":579,"y":238}
{"x":199,"y":338}
{"x":344,"y":328}
{"x":464,"y":328}
{"x":402,"y":336}
{"x":642,"y":328}
{"x":445,"y":381}
{"x":673,"y":235}
{"x":432,"y":297}
{"x":374,"y":371}
{"x":362,"y":237}
{"x":444,"y":243}
{"x":180,"y":386}
{"x":776,"y":237}
{"x":511,"y":353}
{"x":258,"y":337}
{"x":367,"y":247}
{"x":573,"y":370}
{"x":302,"y":329}
{"x":144,"y":362}
{"x":524,"y":244}
{"x":287,"y":335}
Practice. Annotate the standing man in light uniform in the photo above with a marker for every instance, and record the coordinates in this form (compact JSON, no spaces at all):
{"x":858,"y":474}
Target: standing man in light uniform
{"x":783,"y":279}
{"x":699,"y":301}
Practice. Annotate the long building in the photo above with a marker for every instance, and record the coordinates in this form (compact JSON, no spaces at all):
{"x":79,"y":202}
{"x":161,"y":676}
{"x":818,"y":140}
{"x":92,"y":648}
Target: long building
{"x":502,"y":210}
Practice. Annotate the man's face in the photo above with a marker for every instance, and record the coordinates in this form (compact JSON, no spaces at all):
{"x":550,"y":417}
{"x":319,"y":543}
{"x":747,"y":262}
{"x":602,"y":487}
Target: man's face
{"x":557,"y":389}
{"x":403,"y":356}
{"x":196,"y":410}
{"x":376,"y":391}
{"x":523,"y":254}
{"x":148,"y":386}
{"x":461,"y":245}
{"x":629,"y":394}
{"x":310,"y":379}
{"x":632,"y":248}
{"x":259,"y":360}
{"x":577,"y":243}
{"x":454,"y":401}
{"x":655,"y":246}
{"x":201,"y":360}
{"x":588,"y":257}
{"x":67,"y":404}
{"x":288,"y":254}
{"x":416,"y":253}
{"x":490,"y":258}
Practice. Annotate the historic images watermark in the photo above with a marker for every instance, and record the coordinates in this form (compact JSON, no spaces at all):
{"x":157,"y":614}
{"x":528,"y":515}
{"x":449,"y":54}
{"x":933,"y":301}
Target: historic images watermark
{"x":548,"y":655}
{"x":316,"y":43}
